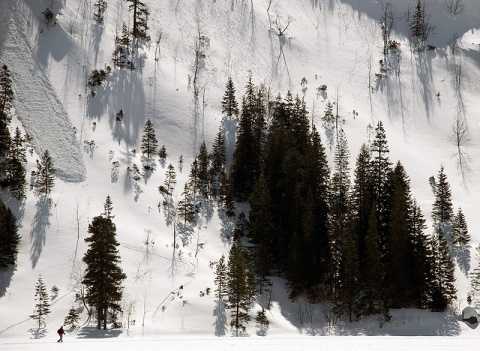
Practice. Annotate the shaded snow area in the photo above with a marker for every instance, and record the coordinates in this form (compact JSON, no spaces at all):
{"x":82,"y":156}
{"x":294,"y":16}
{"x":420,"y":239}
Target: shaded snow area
{"x":169,"y":291}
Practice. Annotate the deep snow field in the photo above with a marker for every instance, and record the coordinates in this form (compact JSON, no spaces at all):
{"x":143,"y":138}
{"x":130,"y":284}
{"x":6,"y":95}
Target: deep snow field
{"x":332,"y":42}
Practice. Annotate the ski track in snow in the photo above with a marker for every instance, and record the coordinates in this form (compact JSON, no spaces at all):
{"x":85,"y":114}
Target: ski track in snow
{"x":36,"y":103}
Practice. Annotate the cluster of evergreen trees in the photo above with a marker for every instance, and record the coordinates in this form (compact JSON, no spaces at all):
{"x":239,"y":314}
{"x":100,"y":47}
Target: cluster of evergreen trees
{"x":360,"y":243}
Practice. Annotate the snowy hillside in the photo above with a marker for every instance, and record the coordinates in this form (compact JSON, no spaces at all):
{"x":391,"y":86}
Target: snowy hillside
{"x":337,"y":43}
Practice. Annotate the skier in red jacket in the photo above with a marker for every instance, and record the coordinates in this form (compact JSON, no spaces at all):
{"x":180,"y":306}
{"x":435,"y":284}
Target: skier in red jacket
{"x":60,"y":334}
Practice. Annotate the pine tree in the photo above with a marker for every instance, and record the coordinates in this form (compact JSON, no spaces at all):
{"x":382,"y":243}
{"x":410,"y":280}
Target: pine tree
{"x":108,"y":208}
{"x":229,"y":102}
{"x":9,"y":237}
{"x":218,"y":156}
{"x":417,"y":22}
{"x":221,"y":279}
{"x":6,"y":93}
{"x":262,"y":321}
{"x":460,"y":233}
{"x":72,"y":318}
{"x":140,"y":17}
{"x":170,"y":179}
{"x":103,"y":276}
{"x":42,"y":307}
{"x":442,"y":211}
{"x":149,"y":141}
{"x":186,"y":206}
{"x":475,"y":275}
{"x":203,"y":164}
{"x":328,"y":117}
{"x":122,"y":50}
{"x":16,"y":159}
{"x":442,"y":288}
{"x":6,"y":104}
{"x":241,"y":286}
{"x":99,"y":11}
{"x":45,"y":174}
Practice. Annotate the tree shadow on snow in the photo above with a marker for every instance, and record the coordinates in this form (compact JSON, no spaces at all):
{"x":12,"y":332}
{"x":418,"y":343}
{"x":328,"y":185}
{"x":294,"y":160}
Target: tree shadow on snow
{"x":39,"y":226}
{"x":462,"y":256}
{"x":5,"y":280}
{"x":94,"y":333}
{"x":38,"y":333}
{"x":220,"y":318}
{"x":229,"y":128}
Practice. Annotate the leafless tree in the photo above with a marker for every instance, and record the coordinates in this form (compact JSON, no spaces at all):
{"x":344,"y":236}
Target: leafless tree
{"x":455,"y":7}
{"x":282,"y":23}
{"x":387,"y":23}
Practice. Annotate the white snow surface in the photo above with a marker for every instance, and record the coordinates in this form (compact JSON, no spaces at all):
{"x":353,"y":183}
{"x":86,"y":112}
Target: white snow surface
{"x":332,"y":42}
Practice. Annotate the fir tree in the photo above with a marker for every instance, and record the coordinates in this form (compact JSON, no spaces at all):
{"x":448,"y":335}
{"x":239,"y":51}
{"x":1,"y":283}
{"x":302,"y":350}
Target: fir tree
{"x":221,"y":279}
{"x":103,"y":276}
{"x":45,"y":174}
{"x":42,"y":307}
{"x":6,"y":93}
{"x":229,"y":102}
{"x":72,"y":318}
{"x":262,"y":322}
{"x":99,"y":11}
{"x":9,"y":238}
{"x":442,"y":211}
{"x":218,"y":156}
{"x":328,"y":117}
{"x":240,"y":285}
{"x":16,"y":159}
{"x":417,"y":22}
{"x":203,"y":164}
{"x":186,"y":206}
{"x":162,"y":153}
{"x":149,"y":141}
{"x":108,"y":208}
{"x":170,"y":179}
{"x":140,"y":18}
{"x":6,"y":104}
{"x":460,"y":233}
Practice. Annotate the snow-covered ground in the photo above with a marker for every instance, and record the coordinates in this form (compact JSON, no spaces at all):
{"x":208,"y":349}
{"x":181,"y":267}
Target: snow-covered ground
{"x":334,"y":42}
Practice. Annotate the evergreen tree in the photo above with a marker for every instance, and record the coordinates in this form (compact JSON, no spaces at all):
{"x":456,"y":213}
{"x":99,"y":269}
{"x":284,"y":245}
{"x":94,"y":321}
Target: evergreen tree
{"x":221,"y":279}
{"x":475,"y":275}
{"x":442,"y":211}
{"x":328,"y":117}
{"x":240,"y":285}
{"x":162,"y":153}
{"x":229,"y":102}
{"x":203,"y":164}
{"x":72,"y":318}
{"x":16,"y":159}
{"x":6,"y":93}
{"x":417,"y":22}
{"x":9,"y":238}
{"x":193,"y":177}
{"x":140,"y":17}
{"x":460,"y":233}
{"x":442,"y":288}
{"x":149,"y":140}
{"x":339,"y":205}
{"x":122,"y":50}
{"x":186,"y":206}
{"x":6,"y":104}
{"x":108,"y":208}
{"x":42,"y":307}
{"x":99,"y":11}
{"x":398,"y":241}
{"x":262,"y":321}
{"x":103,"y":276}
{"x":45,"y":174}
{"x":218,"y":156}
{"x":170,"y":179}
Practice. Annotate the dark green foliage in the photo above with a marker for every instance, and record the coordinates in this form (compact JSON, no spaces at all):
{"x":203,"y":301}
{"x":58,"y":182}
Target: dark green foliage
{"x":122,"y":49}
{"x":140,"y":13}
{"x":229,"y":102}
{"x":15,"y":161}
{"x":186,"y":206}
{"x":240,"y":285}
{"x":9,"y":238}
{"x":97,"y":77}
{"x":72,"y":318}
{"x":108,"y":208}
{"x":262,"y":322}
{"x":100,"y":7}
{"x":42,"y":307}
{"x":221,"y":279}
{"x":6,"y":104}
{"x":45,"y":174}
{"x":442,"y":211}
{"x":162,"y":153}
{"x":170,"y":179}
{"x":328,"y":117}
{"x":149,"y":140}
{"x":460,"y":233}
{"x":103,"y":276}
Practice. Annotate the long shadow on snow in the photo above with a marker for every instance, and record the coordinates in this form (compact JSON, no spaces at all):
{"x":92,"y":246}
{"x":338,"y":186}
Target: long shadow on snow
{"x":94,"y":333}
{"x":39,"y":226}
{"x":462,"y":256}
{"x":220,"y":318}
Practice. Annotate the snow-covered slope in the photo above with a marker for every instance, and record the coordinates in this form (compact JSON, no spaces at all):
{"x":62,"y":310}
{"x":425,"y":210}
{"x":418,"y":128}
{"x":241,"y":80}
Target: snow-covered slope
{"x":334,"y":42}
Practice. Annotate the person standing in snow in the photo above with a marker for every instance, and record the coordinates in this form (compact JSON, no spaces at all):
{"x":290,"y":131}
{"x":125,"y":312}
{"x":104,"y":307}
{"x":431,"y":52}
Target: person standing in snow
{"x":60,"y":334}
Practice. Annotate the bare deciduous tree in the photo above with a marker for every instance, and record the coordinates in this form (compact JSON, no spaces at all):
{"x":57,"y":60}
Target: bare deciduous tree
{"x":282,"y":23}
{"x":455,"y":7}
